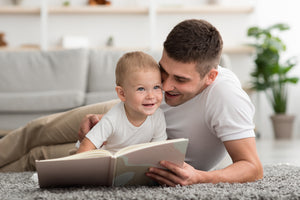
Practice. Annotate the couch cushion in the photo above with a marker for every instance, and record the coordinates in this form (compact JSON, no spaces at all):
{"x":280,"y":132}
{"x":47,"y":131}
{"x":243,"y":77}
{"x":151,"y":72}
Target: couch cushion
{"x":39,"y":71}
{"x":102,"y":70}
{"x":96,"y":97}
{"x":101,"y":81}
{"x":40,"y":101}
{"x":41,"y":81}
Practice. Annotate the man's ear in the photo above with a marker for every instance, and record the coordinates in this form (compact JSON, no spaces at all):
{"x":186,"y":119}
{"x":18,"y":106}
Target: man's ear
{"x":120,"y":93}
{"x":211,"y":76}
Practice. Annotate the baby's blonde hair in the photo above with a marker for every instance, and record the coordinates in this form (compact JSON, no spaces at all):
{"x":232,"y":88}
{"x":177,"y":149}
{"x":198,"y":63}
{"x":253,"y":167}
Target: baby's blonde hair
{"x":131,"y":62}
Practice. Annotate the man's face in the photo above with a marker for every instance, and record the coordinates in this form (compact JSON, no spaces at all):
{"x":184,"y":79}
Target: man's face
{"x":181,"y":81}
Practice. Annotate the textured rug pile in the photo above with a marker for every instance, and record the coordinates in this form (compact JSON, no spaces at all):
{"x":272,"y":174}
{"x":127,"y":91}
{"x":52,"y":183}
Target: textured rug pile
{"x":279,"y":182}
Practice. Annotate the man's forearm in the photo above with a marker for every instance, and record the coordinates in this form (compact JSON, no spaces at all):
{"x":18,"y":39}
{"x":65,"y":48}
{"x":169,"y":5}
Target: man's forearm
{"x":242,"y":171}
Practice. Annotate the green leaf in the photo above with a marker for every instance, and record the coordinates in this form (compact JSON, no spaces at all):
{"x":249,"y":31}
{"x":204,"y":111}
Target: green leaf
{"x":279,"y":26}
{"x":254,"y":31}
{"x":293,"y":80}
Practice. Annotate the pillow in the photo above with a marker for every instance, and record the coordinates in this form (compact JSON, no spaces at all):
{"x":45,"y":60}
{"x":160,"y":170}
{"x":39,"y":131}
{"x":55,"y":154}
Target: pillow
{"x":40,"y":101}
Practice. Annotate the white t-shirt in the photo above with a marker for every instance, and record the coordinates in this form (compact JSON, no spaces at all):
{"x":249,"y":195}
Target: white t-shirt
{"x":116,"y":129}
{"x":222,"y":112}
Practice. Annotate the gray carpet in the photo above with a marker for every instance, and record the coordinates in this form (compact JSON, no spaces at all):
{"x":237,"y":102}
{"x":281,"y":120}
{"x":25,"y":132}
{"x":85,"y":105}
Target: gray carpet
{"x":279,"y":182}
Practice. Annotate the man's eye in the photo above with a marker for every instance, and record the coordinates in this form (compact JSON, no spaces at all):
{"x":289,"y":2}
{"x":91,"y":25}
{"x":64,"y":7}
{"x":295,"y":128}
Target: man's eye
{"x":140,"y":89}
{"x":180,"y":80}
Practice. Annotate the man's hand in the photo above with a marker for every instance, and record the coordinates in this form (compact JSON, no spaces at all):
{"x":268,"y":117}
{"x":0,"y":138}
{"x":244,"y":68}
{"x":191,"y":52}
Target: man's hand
{"x":246,"y":167}
{"x":87,"y":123}
{"x":185,"y":175}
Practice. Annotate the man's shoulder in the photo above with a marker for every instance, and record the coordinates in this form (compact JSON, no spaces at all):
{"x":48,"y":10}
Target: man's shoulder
{"x":225,"y":82}
{"x":226,"y":90}
{"x":226,"y":75}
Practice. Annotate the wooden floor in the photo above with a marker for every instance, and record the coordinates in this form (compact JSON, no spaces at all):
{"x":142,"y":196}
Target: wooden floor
{"x":279,"y":151}
{"x":273,"y":152}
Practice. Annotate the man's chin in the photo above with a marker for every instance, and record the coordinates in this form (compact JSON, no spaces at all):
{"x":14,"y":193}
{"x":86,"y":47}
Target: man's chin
{"x":174,"y":101}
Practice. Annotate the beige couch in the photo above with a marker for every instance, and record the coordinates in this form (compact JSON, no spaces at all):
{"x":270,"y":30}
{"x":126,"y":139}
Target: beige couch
{"x":38,"y":83}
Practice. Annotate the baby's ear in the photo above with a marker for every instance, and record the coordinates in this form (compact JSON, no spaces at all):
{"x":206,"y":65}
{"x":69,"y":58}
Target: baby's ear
{"x":120,"y":93}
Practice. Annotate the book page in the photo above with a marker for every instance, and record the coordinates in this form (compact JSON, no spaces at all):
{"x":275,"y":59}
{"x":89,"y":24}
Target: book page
{"x":144,"y":145}
{"x":88,"y":154}
{"x":132,"y":166}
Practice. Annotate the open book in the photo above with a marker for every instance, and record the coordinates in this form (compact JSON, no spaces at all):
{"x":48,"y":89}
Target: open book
{"x":99,"y":167}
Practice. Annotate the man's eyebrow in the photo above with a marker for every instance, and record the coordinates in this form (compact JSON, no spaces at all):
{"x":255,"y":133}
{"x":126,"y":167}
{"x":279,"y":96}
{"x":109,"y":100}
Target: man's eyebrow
{"x":178,"y":77}
{"x":182,"y":78}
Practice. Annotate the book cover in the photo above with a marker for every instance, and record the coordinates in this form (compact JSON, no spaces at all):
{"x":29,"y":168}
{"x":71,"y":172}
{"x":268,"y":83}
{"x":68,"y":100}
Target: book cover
{"x":99,"y":167}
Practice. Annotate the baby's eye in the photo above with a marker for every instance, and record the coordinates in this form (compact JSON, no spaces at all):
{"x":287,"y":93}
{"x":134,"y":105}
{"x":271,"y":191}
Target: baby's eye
{"x":140,"y":89}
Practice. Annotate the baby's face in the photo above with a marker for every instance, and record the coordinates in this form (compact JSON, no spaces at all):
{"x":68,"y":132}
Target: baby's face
{"x":143,"y":92}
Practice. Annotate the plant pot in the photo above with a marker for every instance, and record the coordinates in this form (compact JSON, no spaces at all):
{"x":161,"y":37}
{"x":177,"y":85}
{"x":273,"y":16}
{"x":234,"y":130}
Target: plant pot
{"x":283,"y":125}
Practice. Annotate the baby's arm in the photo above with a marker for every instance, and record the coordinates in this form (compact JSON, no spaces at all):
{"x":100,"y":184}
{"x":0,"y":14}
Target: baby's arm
{"x":86,"y":145}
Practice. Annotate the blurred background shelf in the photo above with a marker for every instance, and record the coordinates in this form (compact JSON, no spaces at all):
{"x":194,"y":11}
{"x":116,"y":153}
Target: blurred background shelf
{"x":213,"y":9}
{"x":48,"y":19}
{"x":226,"y":50}
{"x":15,"y":10}
{"x":208,"y":9}
{"x":98,"y":10}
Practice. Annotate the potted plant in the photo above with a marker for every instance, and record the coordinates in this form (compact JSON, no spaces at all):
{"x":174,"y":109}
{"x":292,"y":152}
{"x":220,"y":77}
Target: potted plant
{"x":271,"y":75}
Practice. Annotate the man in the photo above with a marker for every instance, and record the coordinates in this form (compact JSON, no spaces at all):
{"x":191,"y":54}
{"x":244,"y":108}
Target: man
{"x":206,"y":104}
{"x":203,"y":102}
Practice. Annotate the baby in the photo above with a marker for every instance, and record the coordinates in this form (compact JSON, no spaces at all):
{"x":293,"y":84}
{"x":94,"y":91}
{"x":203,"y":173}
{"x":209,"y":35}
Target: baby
{"x":137,"y":118}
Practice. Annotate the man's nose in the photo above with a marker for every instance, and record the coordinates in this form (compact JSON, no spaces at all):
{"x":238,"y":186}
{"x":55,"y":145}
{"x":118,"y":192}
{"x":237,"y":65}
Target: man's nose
{"x":168,"y":84}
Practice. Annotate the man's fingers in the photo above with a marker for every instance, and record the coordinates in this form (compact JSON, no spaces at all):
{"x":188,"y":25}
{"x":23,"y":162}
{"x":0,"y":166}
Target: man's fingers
{"x":160,"y":179}
{"x":168,"y":177}
{"x":94,"y":119}
{"x":176,"y":170}
{"x":174,"y":175}
{"x":87,"y":123}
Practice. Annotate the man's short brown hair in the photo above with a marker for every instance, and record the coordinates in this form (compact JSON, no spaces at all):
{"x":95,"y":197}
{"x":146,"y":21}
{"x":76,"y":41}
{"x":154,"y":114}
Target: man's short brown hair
{"x":195,"y":41}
